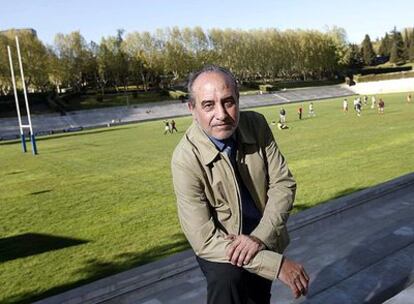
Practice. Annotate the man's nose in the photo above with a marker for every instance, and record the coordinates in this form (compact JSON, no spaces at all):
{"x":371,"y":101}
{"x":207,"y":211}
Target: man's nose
{"x":221,"y":112}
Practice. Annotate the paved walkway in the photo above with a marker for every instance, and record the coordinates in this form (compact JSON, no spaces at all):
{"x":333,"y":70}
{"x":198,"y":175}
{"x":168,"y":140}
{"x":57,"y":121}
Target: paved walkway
{"x":357,"y":249}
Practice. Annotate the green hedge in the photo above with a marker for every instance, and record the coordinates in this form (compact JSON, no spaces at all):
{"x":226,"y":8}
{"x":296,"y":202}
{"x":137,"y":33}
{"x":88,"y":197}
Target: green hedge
{"x":367,"y":71}
{"x":378,"y":77}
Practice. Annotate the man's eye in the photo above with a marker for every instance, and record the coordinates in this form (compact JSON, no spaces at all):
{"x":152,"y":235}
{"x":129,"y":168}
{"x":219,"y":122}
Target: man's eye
{"x":207,"y":106}
{"x":228,"y":103}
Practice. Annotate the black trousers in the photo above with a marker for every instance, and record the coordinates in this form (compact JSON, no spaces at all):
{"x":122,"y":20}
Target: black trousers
{"x":228,"y":284}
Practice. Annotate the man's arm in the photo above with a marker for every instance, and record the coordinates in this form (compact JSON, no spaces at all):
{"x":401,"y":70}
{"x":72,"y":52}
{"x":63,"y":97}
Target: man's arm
{"x":280,"y":196}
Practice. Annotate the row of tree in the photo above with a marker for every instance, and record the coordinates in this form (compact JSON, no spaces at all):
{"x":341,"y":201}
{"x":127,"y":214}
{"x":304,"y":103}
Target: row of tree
{"x":165,"y":57}
{"x":395,"y":46}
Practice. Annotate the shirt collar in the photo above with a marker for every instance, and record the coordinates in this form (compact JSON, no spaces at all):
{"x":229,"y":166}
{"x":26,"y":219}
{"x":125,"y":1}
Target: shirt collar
{"x":222,"y":143}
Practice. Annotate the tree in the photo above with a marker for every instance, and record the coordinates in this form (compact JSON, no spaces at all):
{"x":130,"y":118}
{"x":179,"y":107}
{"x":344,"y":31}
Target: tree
{"x":353,"y":57}
{"x":72,"y":53}
{"x":397,"y":50}
{"x":34,"y":59}
{"x":411,"y":48}
{"x":113,"y":62}
{"x":385,"y":46}
{"x":368,"y":53}
{"x":407,"y":42}
{"x":340,"y":40}
{"x":5,"y":80}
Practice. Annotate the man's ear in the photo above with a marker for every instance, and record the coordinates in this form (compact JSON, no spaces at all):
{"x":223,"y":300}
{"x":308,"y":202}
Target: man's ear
{"x":190,"y":106}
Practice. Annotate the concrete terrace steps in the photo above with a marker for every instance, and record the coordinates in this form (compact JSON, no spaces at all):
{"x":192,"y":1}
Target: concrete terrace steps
{"x":357,"y":249}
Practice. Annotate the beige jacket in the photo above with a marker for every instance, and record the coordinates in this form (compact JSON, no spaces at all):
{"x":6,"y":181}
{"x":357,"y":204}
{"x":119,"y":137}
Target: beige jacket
{"x":208,"y":195}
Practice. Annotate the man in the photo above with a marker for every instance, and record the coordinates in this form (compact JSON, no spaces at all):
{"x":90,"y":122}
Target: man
{"x":300,"y":110}
{"x":358,"y":107}
{"x":345,"y":105}
{"x":173,"y":127}
{"x":167,"y":127}
{"x":282,"y":115}
{"x":311,"y":110}
{"x":373,"y":102}
{"x":234,"y":194}
{"x":381,"y":105}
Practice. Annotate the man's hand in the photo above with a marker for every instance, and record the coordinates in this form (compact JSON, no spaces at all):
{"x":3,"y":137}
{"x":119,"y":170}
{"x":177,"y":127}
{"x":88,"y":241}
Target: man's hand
{"x":243,"y":248}
{"x":294,"y":276}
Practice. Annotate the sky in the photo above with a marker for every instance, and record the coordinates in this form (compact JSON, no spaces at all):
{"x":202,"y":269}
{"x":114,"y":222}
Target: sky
{"x":100,"y":18}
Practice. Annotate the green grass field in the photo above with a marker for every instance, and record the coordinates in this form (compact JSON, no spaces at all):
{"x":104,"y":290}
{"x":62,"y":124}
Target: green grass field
{"x":99,"y":202}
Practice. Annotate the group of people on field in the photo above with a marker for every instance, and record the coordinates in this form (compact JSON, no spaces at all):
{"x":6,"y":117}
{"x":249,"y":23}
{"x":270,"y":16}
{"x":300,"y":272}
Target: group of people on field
{"x":358,"y":104}
{"x":169,"y":126}
{"x":282,"y":115}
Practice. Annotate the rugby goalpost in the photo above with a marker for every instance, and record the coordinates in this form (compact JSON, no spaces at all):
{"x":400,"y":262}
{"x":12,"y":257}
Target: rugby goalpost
{"x":16,"y":98}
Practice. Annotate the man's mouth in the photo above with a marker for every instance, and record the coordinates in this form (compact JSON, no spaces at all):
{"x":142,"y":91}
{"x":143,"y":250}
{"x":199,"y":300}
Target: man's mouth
{"x":223,"y":124}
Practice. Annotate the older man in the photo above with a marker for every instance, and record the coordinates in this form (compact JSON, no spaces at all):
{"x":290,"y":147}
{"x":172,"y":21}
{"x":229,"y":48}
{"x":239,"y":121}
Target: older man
{"x":234,"y":194}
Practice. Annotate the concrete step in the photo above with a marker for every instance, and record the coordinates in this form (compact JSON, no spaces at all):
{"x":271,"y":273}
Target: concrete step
{"x":358,"y":248}
{"x":404,"y":297}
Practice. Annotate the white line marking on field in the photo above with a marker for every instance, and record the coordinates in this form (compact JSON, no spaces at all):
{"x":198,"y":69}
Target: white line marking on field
{"x":284,"y":98}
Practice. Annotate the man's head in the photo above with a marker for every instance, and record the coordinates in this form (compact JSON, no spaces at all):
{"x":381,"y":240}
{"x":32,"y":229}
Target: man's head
{"x":214,"y":101}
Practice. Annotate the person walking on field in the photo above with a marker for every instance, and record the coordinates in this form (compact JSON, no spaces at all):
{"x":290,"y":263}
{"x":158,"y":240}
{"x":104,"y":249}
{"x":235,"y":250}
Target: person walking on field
{"x":358,"y":107}
{"x":173,"y":127}
{"x":373,"y":102}
{"x":311,"y":110}
{"x":345,"y":105}
{"x":300,"y":110}
{"x":381,"y":105}
{"x":234,"y":195}
{"x":167,"y":127}
{"x":365,"y":100}
{"x":282,"y":115}
{"x":409,"y":98}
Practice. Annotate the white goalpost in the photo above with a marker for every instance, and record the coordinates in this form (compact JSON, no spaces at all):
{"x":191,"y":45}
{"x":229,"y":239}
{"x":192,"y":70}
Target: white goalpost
{"x":16,"y":98}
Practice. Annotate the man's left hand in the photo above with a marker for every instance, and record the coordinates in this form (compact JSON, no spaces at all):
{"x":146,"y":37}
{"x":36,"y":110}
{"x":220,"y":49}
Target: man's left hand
{"x":243,"y":248}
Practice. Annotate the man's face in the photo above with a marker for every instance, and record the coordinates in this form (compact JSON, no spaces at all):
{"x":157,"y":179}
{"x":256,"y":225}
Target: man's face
{"x":216,"y":107}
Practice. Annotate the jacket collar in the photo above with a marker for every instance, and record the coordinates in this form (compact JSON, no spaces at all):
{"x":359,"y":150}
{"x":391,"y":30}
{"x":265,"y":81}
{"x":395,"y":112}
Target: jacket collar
{"x":206,"y":147}
{"x":244,"y":131}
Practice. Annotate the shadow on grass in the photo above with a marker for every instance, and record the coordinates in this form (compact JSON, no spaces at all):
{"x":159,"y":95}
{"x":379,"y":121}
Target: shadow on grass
{"x":96,"y":269}
{"x":128,"y":260}
{"x":301,"y":207}
{"x":346,"y":192}
{"x":24,"y":245}
{"x":40,"y":192}
{"x":14,"y":173}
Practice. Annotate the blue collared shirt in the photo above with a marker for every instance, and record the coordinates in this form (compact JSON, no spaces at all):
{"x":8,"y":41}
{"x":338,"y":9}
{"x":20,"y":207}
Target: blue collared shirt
{"x":251,"y":215}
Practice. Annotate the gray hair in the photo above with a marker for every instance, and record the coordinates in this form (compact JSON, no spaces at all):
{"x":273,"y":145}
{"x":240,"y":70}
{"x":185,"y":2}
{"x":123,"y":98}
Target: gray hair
{"x":209,"y":69}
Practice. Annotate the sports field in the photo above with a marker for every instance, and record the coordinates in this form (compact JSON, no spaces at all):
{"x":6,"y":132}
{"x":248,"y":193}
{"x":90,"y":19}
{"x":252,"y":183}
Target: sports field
{"x":99,"y":202}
